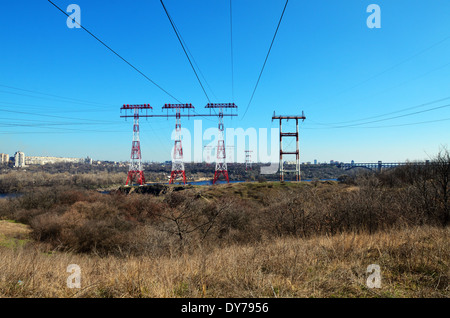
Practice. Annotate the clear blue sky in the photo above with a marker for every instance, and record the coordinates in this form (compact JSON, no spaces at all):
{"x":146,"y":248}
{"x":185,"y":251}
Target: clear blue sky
{"x":324,"y":61}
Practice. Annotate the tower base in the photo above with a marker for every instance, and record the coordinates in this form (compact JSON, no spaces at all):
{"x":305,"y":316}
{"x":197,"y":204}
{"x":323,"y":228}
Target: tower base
{"x":175,"y":174}
{"x":218,"y":173}
{"x":135,"y":174}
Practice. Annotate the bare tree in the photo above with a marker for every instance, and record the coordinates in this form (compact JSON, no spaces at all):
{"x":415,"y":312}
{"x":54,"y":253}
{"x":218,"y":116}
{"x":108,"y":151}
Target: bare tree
{"x":441,"y":171}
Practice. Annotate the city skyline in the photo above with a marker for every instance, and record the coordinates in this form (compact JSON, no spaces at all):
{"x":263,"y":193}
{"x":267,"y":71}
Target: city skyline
{"x":368,"y":94}
{"x":40,"y":160}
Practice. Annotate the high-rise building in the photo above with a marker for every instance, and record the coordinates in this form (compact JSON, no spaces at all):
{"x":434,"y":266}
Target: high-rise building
{"x":19,"y":159}
{"x":4,"y":158}
{"x":315,"y":161}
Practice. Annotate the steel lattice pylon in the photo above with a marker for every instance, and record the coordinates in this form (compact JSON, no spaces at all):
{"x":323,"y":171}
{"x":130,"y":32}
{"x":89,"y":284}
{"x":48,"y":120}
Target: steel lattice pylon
{"x":177,"y":158}
{"x":221,"y":164}
{"x":296,"y":152}
{"x":135,"y":171}
{"x":248,"y":159}
{"x":177,"y":162}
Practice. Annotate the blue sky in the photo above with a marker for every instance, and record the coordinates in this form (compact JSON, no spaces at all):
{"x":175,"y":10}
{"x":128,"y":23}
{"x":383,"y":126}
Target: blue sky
{"x":61,"y":90}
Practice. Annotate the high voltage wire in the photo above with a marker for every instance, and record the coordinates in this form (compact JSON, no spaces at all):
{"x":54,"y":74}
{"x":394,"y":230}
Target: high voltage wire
{"x":405,"y":82}
{"x":382,"y":115}
{"x":385,"y":119}
{"x":409,"y":124}
{"x":11,"y":120}
{"x":267,"y":56}
{"x":59,"y":132}
{"x":395,"y":117}
{"x":47,"y":98}
{"x":117,"y":54}
{"x":231,"y":49}
{"x":50,"y":109}
{"x":387,"y":126}
{"x":46,"y":124}
{"x":182,"y":45}
{"x":54,"y":116}
{"x":193,"y":60}
{"x":391,"y":68}
{"x":79,"y":101}
{"x":192,"y":57}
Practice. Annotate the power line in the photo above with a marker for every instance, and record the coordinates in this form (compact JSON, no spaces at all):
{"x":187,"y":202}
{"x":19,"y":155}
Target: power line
{"x":182,"y":45}
{"x":388,"y":126}
{"x":11,"y":122}
{"x":395,"y":117}
{"x":382,"y":115}
{"x":46,"y":115}
{"x":59,"y":132}
{"x":47,"y":98}
{"x":117,"y":54}
{"x":409,"y":124}
{"x":79,"y":101}
{"x":404,"y":82}
{"x":231,"y":48}
{"x":267,"y":56}
{"x":52,"y":109}
{"x":195,"y":63}
{"x":380,"y":120}
{"x":47,"y":124}
{"x":390,"y":68}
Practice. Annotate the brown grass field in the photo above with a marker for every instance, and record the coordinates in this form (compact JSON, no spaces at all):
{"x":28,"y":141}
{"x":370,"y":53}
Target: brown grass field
{"x":243,"y":240}
{"x":414,"y":262}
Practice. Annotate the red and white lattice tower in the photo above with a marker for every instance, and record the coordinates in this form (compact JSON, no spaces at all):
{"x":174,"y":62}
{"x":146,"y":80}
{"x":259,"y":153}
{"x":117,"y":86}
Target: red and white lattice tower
{"x":135,"y":169}
{"x":221,"y":164}
{"x":177,"y":158}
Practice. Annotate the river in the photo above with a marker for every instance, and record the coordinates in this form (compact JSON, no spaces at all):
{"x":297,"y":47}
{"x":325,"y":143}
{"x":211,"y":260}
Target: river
{"x":209,"y":182}
{"x":9,"y":195}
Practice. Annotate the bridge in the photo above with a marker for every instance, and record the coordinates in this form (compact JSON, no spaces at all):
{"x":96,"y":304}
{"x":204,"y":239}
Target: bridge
{"x":376,"y":166}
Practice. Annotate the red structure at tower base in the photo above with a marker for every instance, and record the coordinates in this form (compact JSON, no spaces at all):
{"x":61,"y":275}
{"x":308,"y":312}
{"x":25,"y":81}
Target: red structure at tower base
{"x":218,"y":173}
{"x":138,"y":175}
{"x":175,"y":174}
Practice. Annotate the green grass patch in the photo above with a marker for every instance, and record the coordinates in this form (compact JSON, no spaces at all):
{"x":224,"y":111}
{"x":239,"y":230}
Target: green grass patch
{"x":11,"y":242}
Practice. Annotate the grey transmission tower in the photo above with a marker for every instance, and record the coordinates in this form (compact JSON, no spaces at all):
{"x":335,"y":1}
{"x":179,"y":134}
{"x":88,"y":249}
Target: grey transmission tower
{"x":291,"y":135}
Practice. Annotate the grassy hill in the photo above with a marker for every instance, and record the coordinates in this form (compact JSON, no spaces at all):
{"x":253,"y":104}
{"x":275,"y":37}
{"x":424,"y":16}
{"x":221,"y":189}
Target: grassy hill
{"x":259,"y":239}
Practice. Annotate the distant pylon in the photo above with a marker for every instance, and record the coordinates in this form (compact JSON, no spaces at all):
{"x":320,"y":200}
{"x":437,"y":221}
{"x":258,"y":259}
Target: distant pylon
{"x":135,"y":169}
{"x":207,"y":152}
{"x":221,"y":164}
{"x":177,"y":160}
{"x":248,"y":159}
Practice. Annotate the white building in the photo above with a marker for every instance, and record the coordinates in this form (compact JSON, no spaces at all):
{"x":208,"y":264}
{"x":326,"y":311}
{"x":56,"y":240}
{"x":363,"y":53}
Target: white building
{"x":4,"y":158}
{"x":19,"y":159}
{"x":30,"y":160}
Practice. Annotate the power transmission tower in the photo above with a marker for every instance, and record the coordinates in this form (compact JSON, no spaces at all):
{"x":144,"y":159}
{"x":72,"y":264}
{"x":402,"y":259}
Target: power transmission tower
{"x":177,"y":162}
{"x":135,"y":169}
{"x":297,"y":152}
{"x":248,"y":159}
{"x":177,"y":159}
{"x":221,"y":164}
{"x":207,"y":151}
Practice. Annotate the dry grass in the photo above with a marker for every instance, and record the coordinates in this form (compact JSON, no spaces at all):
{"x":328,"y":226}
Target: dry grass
{"x":10,"y":228}
{"x":414,"y":262}
{"x":13,"y":234}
